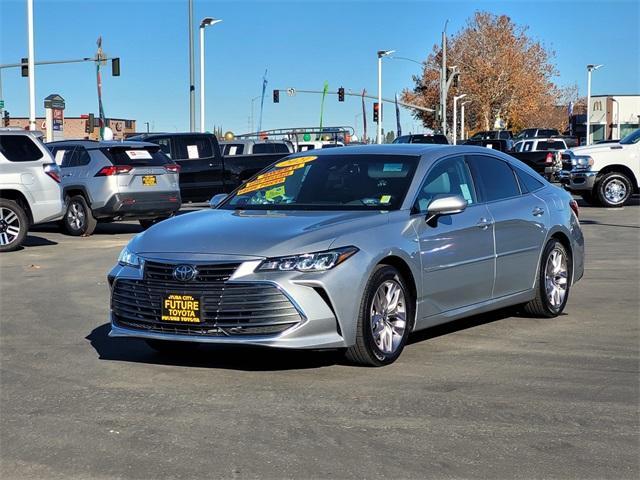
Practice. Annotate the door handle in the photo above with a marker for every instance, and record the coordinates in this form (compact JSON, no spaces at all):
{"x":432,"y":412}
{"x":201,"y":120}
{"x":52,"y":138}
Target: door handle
{"x":483,"y":223}
{"x":538,"y":211}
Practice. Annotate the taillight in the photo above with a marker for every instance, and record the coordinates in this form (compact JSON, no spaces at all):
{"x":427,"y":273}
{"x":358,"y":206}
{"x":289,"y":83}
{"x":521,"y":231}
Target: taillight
{"x":113,"y":170}
{"x":53,"y":170}
{"x":549,"y":159}
{"x":172,"y":167}
{"x":574,"y":206}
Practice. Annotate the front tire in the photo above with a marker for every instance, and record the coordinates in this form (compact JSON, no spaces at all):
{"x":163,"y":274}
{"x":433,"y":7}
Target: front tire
{"x":554,"y":281}
{"x":78,"y":220}
{"x":14,"y":225}
{"x":613,"y":190}
{"x":385,"y":319}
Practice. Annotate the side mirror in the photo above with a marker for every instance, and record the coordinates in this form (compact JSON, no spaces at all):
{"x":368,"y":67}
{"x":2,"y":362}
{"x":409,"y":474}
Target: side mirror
{"x":445,"y":205}
{"x":217,"y":200}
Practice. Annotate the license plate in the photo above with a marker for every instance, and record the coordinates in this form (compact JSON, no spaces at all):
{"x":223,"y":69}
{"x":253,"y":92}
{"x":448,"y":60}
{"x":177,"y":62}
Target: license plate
{"x":181,"y":308}
{"x":149,"y":180}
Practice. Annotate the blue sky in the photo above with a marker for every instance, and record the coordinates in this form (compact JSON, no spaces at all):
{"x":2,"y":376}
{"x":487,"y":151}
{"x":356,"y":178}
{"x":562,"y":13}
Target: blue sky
{"x":301,"y":43}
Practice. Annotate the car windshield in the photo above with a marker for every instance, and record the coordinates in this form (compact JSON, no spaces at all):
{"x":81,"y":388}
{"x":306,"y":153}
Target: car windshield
{"x":328,"y":182}
{"x":633,"y":137}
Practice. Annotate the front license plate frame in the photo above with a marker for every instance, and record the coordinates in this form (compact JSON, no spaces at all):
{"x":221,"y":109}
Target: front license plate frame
{"x":181,"y":308}
{"x":149,"y":180}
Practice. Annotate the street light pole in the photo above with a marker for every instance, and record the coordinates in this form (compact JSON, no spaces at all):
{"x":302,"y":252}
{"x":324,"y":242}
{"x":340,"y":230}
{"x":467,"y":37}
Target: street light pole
{"x":32,"y":68}
{"x":192,"y":88}
{"x":203,"y":24}
{"x":462,"y":130}
{"x":381,"y":53}
{"x":590,"y":68}
{"x":455,"y":116}
{"x":443,"y":81}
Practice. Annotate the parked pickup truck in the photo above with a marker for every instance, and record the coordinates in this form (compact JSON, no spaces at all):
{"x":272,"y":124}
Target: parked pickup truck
{"x":604,"y":174}
{"x":204,"y":171}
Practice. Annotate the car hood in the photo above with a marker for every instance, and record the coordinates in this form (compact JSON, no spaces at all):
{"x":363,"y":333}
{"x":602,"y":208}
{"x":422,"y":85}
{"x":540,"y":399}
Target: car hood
{"x":254,"y":233}
{"x":595,"y":149}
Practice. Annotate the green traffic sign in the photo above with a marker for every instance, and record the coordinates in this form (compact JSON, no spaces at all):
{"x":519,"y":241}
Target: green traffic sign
{"x":1,"y":103}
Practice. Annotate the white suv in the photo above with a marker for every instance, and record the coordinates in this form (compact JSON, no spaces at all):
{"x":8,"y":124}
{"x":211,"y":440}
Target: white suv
{"x":30,"y":190}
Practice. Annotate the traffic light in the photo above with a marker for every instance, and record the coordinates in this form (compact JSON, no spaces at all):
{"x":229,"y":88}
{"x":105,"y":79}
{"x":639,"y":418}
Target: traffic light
{"x":341,"y":94}
{"x":115,"y":67}
{"x":90,"y":123}
{"x":376,"y":111}
{"x":276,"y":96}
{"x":6,"y":118}
{"x":25,"y":67}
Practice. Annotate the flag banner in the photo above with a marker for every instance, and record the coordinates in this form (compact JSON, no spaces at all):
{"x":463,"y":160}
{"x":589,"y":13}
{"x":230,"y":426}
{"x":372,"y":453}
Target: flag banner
{"x":398,"y":117}
{"x":364,"y":117}
{"x":324,"y":94}
{"x":264,"y":89}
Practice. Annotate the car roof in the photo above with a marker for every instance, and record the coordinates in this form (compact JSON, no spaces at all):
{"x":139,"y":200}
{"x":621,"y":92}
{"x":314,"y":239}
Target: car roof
{"x":101,"y":143}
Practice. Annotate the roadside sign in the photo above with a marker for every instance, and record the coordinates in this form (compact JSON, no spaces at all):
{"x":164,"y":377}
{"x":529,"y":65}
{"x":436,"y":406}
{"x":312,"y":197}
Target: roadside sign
{"x":291,"y":92}
{"x":1,"y":103}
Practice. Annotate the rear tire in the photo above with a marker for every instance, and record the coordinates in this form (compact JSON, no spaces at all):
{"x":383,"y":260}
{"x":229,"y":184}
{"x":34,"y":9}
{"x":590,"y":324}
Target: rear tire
{"x":14,"y":225}
{"x":385,"y":319}
{"x":171,"y":347}
{"x":613,"y":190}
{"x":78,"y":220}
{"x":554,"y":282}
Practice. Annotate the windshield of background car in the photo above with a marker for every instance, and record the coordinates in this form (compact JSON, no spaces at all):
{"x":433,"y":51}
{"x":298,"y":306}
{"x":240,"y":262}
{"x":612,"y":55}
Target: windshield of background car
{"x":137,"y":156}
{"x":633,"y":137}
{"x":328,"y":182}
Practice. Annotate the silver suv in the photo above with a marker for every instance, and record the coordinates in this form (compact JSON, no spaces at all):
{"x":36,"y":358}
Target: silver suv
{"x":29,"y":186}
{"x":111,"y":180}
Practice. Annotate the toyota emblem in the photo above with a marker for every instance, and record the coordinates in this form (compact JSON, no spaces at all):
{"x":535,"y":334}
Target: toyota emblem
{"x":185,"y":273}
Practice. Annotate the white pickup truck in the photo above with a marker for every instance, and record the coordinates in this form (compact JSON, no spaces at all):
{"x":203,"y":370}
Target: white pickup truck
{"x":604,"y":174}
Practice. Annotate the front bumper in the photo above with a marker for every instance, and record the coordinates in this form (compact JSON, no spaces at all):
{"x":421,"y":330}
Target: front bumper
{"x":578,"y":180}
{"x":140,"y":205}
{"x":327,"y":312}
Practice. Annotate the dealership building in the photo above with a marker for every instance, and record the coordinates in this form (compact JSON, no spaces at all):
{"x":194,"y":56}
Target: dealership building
{"x":76,"y":127}
{"x":614,"y":116}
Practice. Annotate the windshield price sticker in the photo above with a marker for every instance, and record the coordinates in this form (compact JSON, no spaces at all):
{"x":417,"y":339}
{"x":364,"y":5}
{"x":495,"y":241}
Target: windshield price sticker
{"x":138,"y":155}
{"x":180,"y":308}
{"x":296,"y":161}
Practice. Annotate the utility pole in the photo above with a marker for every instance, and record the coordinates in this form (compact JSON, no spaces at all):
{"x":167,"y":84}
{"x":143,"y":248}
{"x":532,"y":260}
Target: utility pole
{"x":32,"y":69}
{"x":192,"y":88}
{"x":381,"y":53}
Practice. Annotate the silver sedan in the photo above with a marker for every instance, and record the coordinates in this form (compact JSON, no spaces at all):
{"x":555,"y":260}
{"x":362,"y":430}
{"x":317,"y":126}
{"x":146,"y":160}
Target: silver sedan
{"x":352,"y":248}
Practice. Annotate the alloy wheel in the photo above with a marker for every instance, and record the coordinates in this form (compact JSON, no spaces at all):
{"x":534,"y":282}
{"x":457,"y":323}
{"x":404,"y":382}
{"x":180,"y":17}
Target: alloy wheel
{"x":388,"y":316}
{"x":9,"y":226}
{"x":556,"y":278}
{"x":76,"y":215}
{"x":615,"y":191}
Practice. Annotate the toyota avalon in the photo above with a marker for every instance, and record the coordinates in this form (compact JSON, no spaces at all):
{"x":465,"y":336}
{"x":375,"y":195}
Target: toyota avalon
{"x":352,"y":248}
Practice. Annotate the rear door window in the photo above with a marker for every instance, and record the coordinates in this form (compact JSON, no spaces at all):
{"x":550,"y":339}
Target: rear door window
{"x":529,"y":183}
{"x":19,"y":148}
{"x":165,"y":145}
{"x":193,"y":147}
{"x":63,"y":156}
{"x":527,"y":147}
{"x":494,"y":177}
{"x":233,"y":149}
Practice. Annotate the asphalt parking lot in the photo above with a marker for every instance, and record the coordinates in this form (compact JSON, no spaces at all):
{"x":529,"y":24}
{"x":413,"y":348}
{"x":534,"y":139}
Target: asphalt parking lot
{"x":493,"y":396}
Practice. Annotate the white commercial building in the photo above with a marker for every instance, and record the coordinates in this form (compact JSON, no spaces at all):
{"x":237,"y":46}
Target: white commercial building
{"x":614,"y":116}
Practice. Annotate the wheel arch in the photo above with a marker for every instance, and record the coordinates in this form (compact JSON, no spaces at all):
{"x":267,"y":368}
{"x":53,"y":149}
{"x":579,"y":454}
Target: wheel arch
{"x":619,"y":169}
{"x":20,"y":198}
{"x":405,"y":270}
{"x":73,"y":190}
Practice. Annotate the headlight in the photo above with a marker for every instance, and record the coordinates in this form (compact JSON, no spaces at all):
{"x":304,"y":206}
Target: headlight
{"x":582,"y":162}
{"x":129,"y":259}
{"x":309,"y":262}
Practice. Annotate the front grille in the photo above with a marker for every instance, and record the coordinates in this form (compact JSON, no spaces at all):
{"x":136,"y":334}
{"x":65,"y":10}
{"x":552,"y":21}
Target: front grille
{"x":226,"y":308}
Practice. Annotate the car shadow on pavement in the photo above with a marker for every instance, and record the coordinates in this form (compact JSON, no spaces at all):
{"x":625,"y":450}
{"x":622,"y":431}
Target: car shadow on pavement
{"x":233,"y":357}
{"x":250,"y":358}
